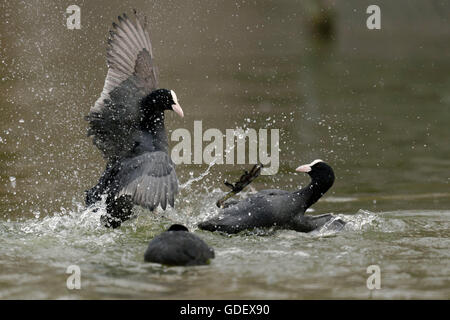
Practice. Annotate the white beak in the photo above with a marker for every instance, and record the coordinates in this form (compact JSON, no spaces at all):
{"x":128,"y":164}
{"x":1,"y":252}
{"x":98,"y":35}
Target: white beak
{"x":177,"y":108}
{"x":304,"y":168}
{"x":307,"y":167}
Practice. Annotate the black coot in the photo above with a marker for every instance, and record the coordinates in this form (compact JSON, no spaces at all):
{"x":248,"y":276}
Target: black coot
{"x":127,"y":125}
{"x":178,"y":247}
{"x":279,"y":208}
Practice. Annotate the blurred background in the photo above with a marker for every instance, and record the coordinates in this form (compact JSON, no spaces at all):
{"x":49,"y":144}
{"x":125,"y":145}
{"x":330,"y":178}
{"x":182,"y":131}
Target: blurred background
{"x":375,"y":104}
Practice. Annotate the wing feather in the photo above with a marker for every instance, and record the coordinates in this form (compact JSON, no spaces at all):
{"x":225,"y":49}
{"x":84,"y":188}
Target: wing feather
{"x":130,"y":78}
{"x":148,"y":180}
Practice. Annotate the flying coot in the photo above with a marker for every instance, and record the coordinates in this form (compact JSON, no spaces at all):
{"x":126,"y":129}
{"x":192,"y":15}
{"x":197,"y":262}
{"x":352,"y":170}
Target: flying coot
{"x":127,"y":125}
{"x":178,"y":247}
{"x":279,"y":208}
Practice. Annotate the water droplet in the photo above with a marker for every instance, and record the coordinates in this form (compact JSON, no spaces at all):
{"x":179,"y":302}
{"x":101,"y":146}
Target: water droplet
{"x":13,"y":181}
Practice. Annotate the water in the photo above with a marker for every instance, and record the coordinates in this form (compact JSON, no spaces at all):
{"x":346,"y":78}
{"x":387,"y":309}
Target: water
{"x":257,"y":265}
{"x":375,"y":105}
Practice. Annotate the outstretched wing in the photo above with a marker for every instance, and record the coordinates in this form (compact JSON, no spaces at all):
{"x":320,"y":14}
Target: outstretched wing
{"x":149,"y":179}
{"x":131,"y":76}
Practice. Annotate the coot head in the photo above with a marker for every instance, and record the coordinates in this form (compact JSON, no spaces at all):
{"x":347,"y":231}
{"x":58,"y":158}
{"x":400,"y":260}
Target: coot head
{"x":318,"y":171}
{"x":177,"y":227}
{"x":161,"y":100}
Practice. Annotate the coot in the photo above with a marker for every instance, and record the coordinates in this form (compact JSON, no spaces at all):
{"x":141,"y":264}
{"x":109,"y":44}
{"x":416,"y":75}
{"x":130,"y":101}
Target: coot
{"x":178,"y":247}
{"x":279,"y":208}
{"x":127,"y":125}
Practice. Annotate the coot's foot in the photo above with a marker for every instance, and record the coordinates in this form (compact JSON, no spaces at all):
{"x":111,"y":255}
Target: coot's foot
{"x":307,"y":223}
{"x":336,"y":225}
{"x":118,"y":210}
{"x":229,"y":203}
{"x":243,"y":181}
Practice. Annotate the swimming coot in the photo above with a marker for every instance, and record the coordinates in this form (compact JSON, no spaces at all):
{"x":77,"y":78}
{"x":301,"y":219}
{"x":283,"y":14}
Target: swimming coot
{"x":279,"y":208}
{"x":127,"y":125}
{"x":178,"y":247}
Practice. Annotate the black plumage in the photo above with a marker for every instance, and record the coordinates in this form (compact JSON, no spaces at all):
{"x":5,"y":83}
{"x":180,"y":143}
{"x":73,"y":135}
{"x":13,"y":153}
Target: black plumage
{"x":279,"y":208}
{"x":127,"y":125}
{"x":178,"y":247}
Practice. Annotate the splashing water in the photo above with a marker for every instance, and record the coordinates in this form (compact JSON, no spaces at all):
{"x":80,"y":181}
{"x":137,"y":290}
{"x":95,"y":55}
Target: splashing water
{"x":188,"y":183}
{"x":112,"y":260}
